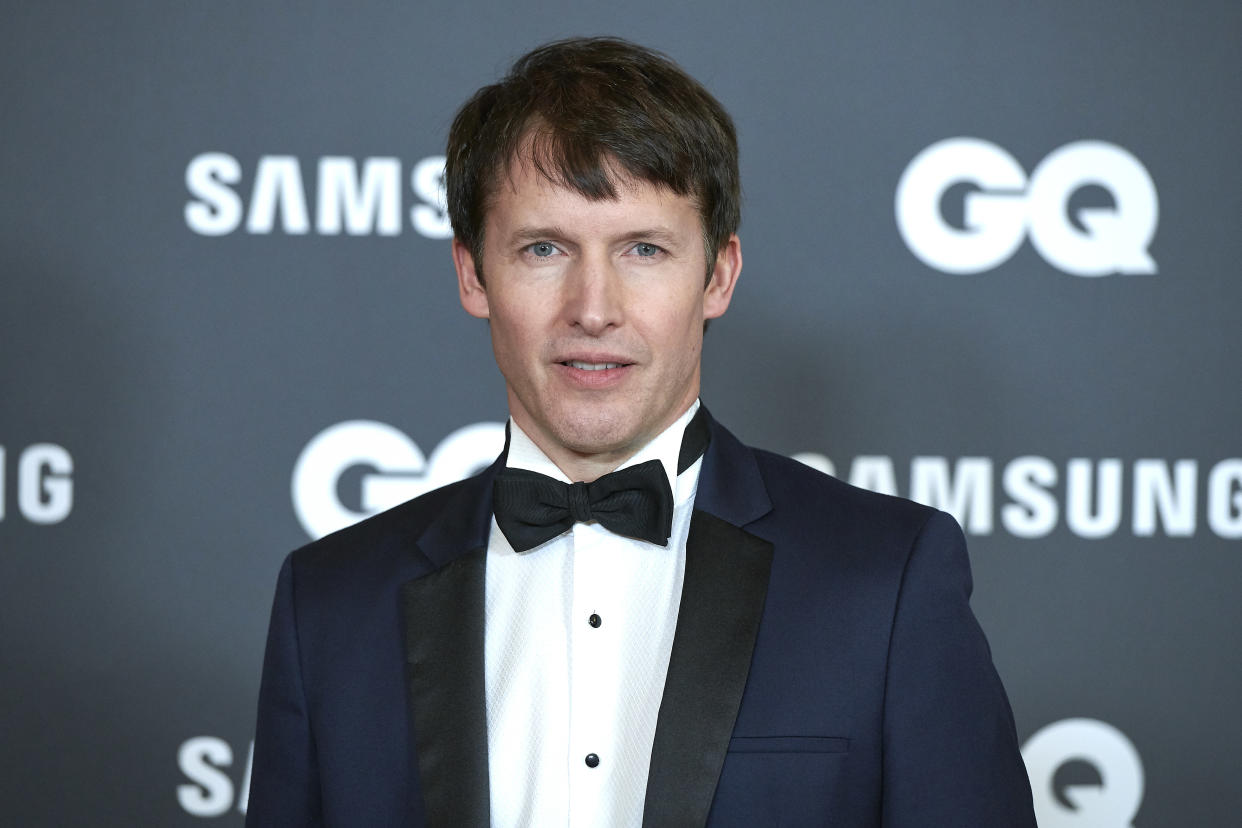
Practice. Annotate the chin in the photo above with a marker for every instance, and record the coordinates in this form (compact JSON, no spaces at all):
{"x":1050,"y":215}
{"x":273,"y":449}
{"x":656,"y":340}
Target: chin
{"x":593,"y":433}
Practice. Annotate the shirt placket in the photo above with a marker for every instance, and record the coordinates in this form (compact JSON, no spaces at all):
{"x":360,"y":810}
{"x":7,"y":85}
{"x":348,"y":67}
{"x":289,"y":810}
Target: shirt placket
{"x":591,"y":658}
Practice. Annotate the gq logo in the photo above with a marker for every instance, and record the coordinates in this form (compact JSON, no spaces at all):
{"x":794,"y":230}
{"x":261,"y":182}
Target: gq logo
{"x":394,"y":469}
{"x":1084,"y":774}
{"x":1001,"y":207}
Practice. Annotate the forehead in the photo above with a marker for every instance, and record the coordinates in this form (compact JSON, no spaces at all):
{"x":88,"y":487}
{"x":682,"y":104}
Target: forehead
{"x":523,"y":193}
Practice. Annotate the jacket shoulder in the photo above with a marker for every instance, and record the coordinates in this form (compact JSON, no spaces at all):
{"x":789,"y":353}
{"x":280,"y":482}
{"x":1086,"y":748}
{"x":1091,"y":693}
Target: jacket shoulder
{"x":383,"y":539}
{"x":819,"y":503}
{"x":786,"y":477}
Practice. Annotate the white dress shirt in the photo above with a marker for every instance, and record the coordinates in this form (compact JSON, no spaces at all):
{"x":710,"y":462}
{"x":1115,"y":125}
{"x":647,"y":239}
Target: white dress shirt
{"x":578,"y":633}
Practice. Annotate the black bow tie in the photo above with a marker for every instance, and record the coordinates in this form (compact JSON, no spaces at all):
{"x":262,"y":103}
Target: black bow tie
{"x":636,"y":502}
{"x":532,"y":508}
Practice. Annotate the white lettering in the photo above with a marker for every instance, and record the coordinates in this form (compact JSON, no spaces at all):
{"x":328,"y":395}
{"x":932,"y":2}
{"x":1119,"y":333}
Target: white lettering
{"x":819,"y":462}
{"x":353,"y":196}
{"x":995,"y":217}
{"x":1111,"y":804}
{"x":330,"y":453}
{"x":1115,"y":240}
{"x":200,"y":759}
{"x":875,"y":473}
{"x":1164,"y":494}
{"x":1155,"y":493}
{"x":466,"y":451}
{"x":1033,"y":513}
{"x":430,"y":218}
{"x":816,"y":461}
{"x":400,"y":469}
{"x":1101,"y":518}
{"x":44,"y":484}
{"x":967,"y":494}
{"x":373,"y":203}
{"x":1225,"y":498}
{"x":243,"y":798}
{"x":218,"y":210}
{"x":278,"y":186}
{"x":1000,"y":208}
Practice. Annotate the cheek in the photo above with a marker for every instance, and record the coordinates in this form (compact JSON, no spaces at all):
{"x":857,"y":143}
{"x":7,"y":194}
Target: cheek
{"x":681,"y":337}
{"x":515,"y":338}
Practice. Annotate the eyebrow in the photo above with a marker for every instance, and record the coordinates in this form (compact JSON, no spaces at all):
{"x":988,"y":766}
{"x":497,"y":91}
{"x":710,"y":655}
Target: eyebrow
{"x":534,"y":234}
{"x":658,"y":234}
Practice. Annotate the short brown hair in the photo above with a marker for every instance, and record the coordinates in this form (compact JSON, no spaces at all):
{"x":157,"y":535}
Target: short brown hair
{"x":586,"y":108}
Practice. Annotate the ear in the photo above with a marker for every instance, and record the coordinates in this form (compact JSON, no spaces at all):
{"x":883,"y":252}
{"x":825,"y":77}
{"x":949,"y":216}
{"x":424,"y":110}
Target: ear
{"x":724,"y":278}
{"x":469,"y":285}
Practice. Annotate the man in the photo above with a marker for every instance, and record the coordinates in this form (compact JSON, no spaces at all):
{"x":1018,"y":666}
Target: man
{"x":630,"y":618}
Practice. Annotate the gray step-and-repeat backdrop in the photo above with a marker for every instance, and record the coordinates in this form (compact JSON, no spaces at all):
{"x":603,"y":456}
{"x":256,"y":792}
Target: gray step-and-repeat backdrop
{"x":991,"y":264}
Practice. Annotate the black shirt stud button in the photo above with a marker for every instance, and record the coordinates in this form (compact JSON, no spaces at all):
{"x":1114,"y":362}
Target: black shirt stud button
{"x":594,"y":621}
{"x":592,"y":760}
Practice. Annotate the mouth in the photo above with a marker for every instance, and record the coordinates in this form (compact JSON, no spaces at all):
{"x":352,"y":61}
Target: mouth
{"x":592,"y":366}
{"x":595,"y":372}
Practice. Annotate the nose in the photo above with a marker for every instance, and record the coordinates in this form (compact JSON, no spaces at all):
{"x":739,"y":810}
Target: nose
{"x":594,"y":300}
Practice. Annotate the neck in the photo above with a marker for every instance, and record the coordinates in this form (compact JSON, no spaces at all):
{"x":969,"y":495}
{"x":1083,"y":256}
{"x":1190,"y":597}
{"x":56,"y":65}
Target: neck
{"x":588,"y":466}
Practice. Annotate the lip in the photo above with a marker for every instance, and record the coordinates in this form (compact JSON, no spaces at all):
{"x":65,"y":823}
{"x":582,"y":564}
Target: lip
{"x":594,"y":378}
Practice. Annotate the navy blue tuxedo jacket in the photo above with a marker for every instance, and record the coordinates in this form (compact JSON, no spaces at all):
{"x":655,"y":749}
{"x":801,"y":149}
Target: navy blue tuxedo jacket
{"x":826,"y":668}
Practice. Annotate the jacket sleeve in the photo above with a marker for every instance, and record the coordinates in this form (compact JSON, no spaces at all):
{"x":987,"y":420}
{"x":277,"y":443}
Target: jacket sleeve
{"x":284,"y":783}
{"x":950,"y":750}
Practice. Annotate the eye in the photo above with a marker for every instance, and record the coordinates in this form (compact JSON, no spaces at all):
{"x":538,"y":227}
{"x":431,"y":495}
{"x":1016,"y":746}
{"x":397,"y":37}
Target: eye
{"x":646,"y":250}
{"x":543,"y":249}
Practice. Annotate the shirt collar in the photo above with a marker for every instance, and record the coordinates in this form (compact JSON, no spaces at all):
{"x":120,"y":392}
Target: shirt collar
{"x":665,"y":447}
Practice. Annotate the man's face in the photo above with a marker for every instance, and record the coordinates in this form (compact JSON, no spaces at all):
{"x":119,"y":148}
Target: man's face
{"x":596,"y":311}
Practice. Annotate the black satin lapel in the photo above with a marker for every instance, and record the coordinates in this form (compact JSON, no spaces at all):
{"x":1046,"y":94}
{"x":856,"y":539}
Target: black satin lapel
{"x":443,"y":614}
{"x":722,"y":600}
{"x":694,"y":439}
